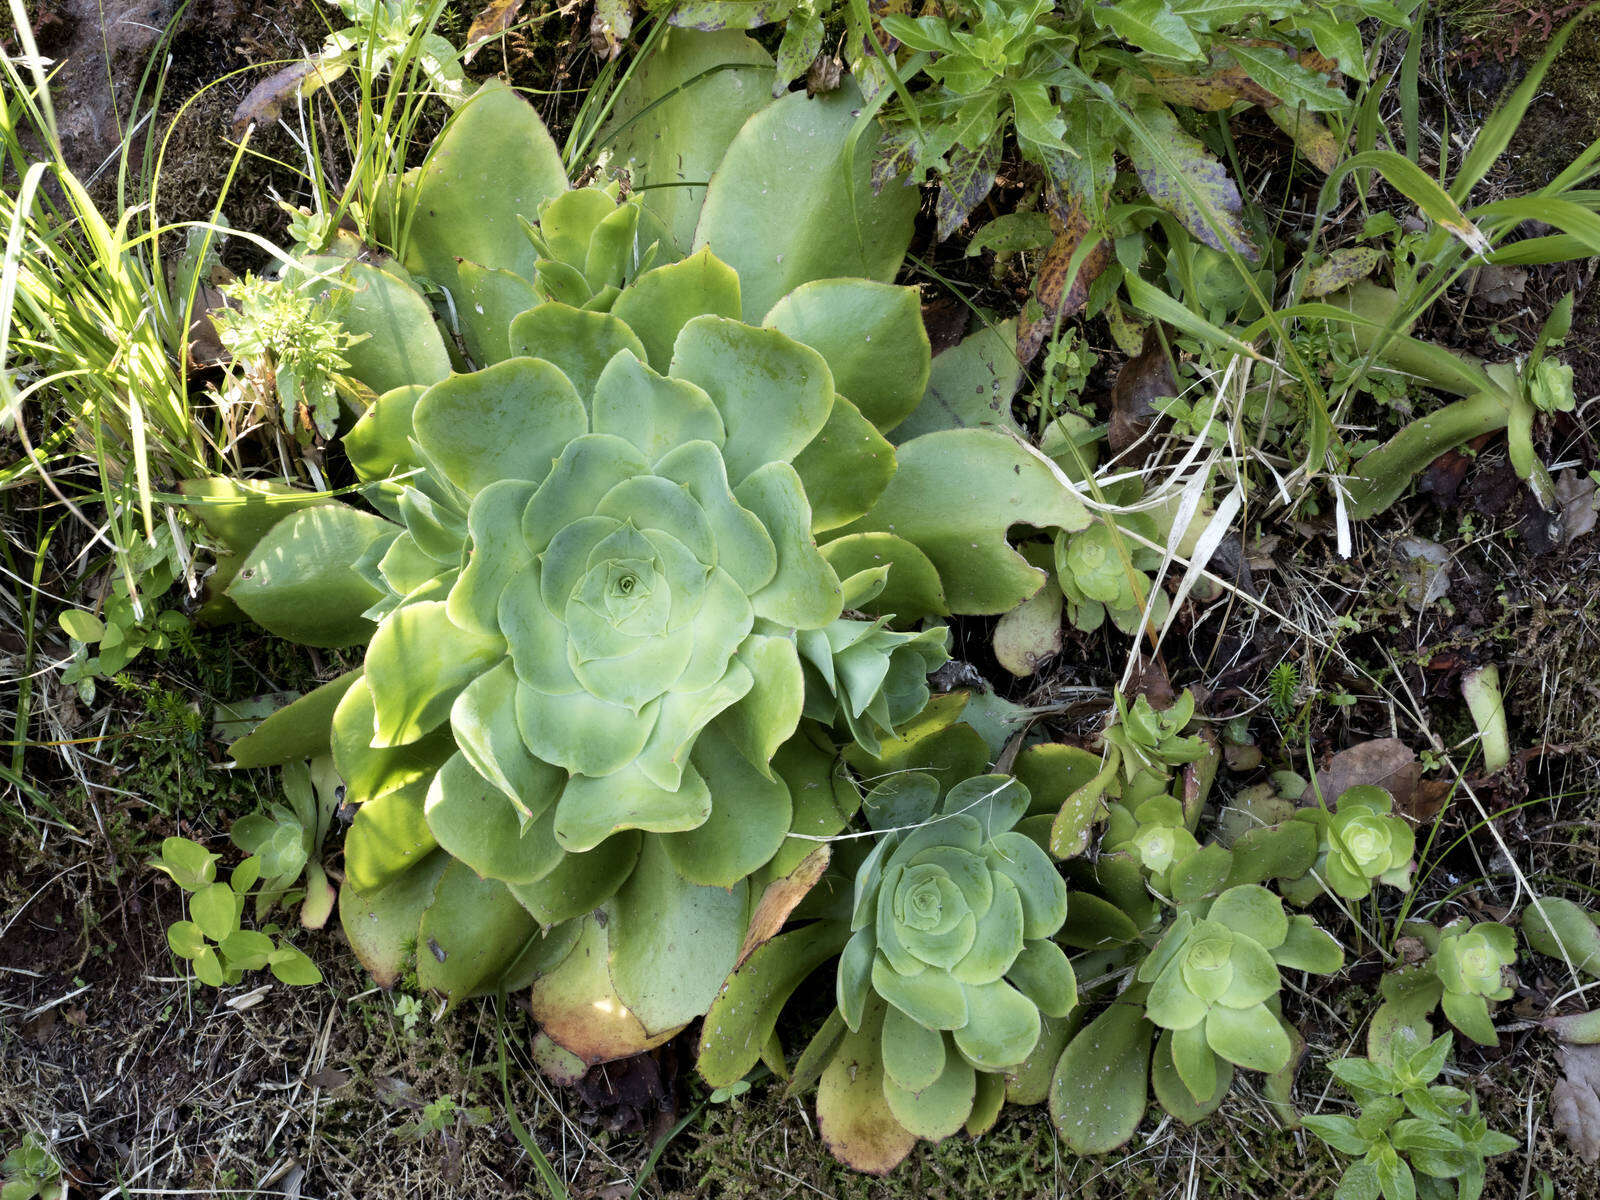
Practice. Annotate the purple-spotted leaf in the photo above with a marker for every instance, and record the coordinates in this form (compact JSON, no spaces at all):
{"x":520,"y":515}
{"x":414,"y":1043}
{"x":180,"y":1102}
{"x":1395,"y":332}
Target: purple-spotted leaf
{"x":1187,"y":180}
{"x":968,"y":178}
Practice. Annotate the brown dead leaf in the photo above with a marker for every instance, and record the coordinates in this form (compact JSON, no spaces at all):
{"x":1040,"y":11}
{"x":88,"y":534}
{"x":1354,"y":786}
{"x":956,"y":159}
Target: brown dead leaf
{"x":1317,"y":143}
{"x":1575,"y":1100}
{"x":824,"y":75}
{"x":266,"y":100}
{"x":329,"y":1080}
{"x":1212,"y":92}
{"x":1428,"y":801}
{"x":1497,"y":283}
{"x":495,"y":18}
{"x":1051,"y":289}
{"x":1579,"y":505}
{"x":779,"y":900}
{"x":1384,"y":762}
{"x":632,"y":1095}
{"x":1143,"y":379}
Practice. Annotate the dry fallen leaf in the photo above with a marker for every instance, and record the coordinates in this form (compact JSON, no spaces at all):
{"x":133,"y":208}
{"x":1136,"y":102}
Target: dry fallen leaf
{"x":1055,"y":298}
{"x":1142,"y":381}
{"x":779,"y":899}
{"x":496,"y":17}
{"x":1384,"y":762}
{"x":1575,"y":1100}
{"x":1579,"y":504}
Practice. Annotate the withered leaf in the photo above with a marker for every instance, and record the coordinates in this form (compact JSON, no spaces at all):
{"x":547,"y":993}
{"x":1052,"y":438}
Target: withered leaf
{"x":1059,"y":290}
{"x":1342,"y":268}
{"x":1575,"y":1100}
{"x":1212,"y":91}
{"x":266,"y":100}
{"x":495,"y":18}
{"x":1384,"y":762}
{"x":968,"y":178}
{"x":1142,"y":380}
{"x":1209,"y":207}
{"x":1317,"y":143}
{"x":610,"y":26}
{"x":779,"y":900}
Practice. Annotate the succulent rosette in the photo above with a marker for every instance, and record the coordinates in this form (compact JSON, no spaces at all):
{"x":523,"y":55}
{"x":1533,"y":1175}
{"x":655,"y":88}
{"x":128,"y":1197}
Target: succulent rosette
{"x":1471,"y":964}
{"x":1211,"y":978}
{"x":1362,"y":842}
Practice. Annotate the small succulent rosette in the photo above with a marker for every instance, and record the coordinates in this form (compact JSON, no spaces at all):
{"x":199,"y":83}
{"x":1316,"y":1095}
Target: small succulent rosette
{"x":1212,"y":977}
{"x":947,"y":971}
{"x":1473,"y":964}
{"x":1362,"y":841}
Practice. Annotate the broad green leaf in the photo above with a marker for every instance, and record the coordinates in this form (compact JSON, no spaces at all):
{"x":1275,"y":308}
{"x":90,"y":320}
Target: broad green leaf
{"x":388,"y":837}
{"x":1283,"y":75}
{"x":381,"y":925}
{"x":658,"y":304}
{"x":955,"y":496}
{"x":1564,"y":931}
{"x":476,"y":823}
{"x":300,"y":582}
{"x":400,"y":343}
{"x":845,"y":467}
{"x":82,"y":626}
{"x":1151,"y":25}
{"x":1098,"y":1093}
{"x":792,"y":201}
{"x":970,"y":384}
{"x":368,"y":772}
{"x":737,"y":837}
{"x":418,"y":663}
{"x":185,"y":939}
{"x":495,"y":162}
{"x":578,"y":341}
{"x":291,"y":966}
{"x":1187,"y":1097}
{"x":941,"y":1108}
{"x":912,"y":587}
{"x":774,"y":394}
{"x":215,"y":909}
{"x":580,"y":883}
{"x":490,"y":299}
{"x":746,"y":1009}
{"x":484,"y":722}
{"x":677,"y":113}
{"x":379,"y":443}
{"x":1250,"y":1037}
{"x":805,"y":592}
{"x":508,"y":421}
{"x":872,"y":337}
{"x":672,"y":943}
{"x":190,"y":865}
{"x":300,"y":729}
{"x":469,"y":934}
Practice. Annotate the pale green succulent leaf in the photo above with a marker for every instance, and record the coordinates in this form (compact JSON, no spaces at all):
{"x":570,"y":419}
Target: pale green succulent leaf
{"x":914,"y":1056}
{"x":903,"y":799}
{"x":567,"y":223}
{"x":1470,"y":1014}
{"x":733,"y":840}
{"x":933,"y":997}
{"x":381,"y":924}
{"x":389,"y":837}
{"x":1308,"y":948}
{"x":591,"y":809}
{"x":845,"y":467}
{"x":476,"y":823}
{"x":955,"y":495}
{"x":508,"y":421}
{"x":1253,"y":911}
{"x":299,"y":583}
{"x":792,"y":201}
{"x":1172,"y":1005}
{"x":587,"y":469}
{"x":1255,"y":975}
{"x":370,"y":772}
{"x":577,"y":341}
{"x":676,"y":114}
{"x":853,"y":984}
{"x":804,"y":593}
{"x":658,"y":304}
{"x":297,"y":731}
{"x":418,"y":663}
{"x":941,"y":1108}
{"x":610,"y":250}
{"x":1248,"y":1037}
{"x":403,"y":567}
{"x":998,"y":938}
{"x":488,"y":301}
{"x":1043,"y":892}
{"x":498,"y":551}
{"x":399,"y":342}
{"x":873,"y":339}
{"x":774,"y":394}
{"x":1001,"y":1028}
{"x":438,"y":529}
{"x":581,"y":733}
{"x":1182,"y":1095}
{"x":577,"y":1006}
{"x":579,"y":883}
{"x":494,"y":163}
{"x":379,"y":443}
{"x":1044,"y":975}
{"x":469,"y":934}
{"x":768,"y":714}
{"x":969,"y":385}
{"x":672,"y":942}
{"x":912,"y":587}
{"x":657,"y":414}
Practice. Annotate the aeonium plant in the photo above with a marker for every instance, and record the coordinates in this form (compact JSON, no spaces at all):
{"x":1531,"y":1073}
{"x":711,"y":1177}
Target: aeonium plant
{"x":948,"y":971}
{"x":620,"y":491}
